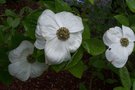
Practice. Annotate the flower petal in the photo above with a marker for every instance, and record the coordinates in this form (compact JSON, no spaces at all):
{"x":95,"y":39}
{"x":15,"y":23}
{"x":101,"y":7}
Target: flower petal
{"x":117,"y":55}
{"x":112,"y":35}
{"x":20,"y":70}
{"x":37,"y":69}
{"x":74,"y":42}
{"x":127,"y":32}
{"x":40,"y":41}
{"x":56,"y":52}
{"x":48,"y":33}
{"x":23,"y":50}
{"x":70,"y":21}
{"x":130,"y":48}
{"x":47,"y":19}
{"x":47,"y":25}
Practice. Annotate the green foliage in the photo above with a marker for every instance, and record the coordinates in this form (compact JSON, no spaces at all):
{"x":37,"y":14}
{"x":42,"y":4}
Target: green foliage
{"x":120,"y":88}
{"x":59,"y":67}
{"x":125,"y":78}
{"x":10,"y":13}
{"x":60,"y":5}
{"x":75,"y":58}
{"x":131,"y":5}
{"x":82,"y":87}
{"x":78,"y":69}
{"x":5,"y":77}
{"x":94,"y":46}
{"x":91,"y":1}
{"x":2,"y":1}
{"x":13,"y":22}
{"x":97,"y":62}
{"x":133,"y":85}
{"x":86,"y":32}
{"x":30,"y":23}
{"x":122,"y":19}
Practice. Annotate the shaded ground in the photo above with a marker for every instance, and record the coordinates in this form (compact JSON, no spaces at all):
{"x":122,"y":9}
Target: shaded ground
{"x":58,"y":81}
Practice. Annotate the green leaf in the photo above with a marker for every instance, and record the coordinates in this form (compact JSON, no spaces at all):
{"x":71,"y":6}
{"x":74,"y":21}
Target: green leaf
{"x":2,"y":1}
{"x":78,"y":69}
{"x":59,"y":67}
{"x":82,"y":86}
{"x":5,"y":77}
{"x":60,"y":5}
{"x":94,"y":46}
{"x":13,"y":22}
{"x":134,"y":85}
{"x":91,"y":1}
{"x":120,"y":88}
{"x":75,"y":58}
{"x":125,"y":78}
{"x":16,"y":22}
{"x":1,"y":36}
{"x":86,"y":32}
{"x":10,"y":21}
{"x":131,"y":5}
{"x":17,"y":39}
{"x":99,"y":75}
{"x":30,"y":23}
{"x":122,"y":19}
{"x":48,"y":4}
{"x":10,"y":13}
{"x":99,"y":63}
{"x":25,"y":11}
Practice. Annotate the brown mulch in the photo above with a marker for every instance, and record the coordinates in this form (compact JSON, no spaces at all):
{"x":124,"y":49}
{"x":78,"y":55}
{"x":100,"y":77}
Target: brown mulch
{"x":48,"y":81}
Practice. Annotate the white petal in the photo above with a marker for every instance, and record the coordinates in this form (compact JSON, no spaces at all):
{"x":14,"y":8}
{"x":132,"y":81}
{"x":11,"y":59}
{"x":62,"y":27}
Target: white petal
{"x":47,"y":25}
{"x":74,"y":42}
{"x":112,"y":35}
{"x":40,"y":40}
{"x":127,"y":32}
{"x":70,"y":21}
{"x":48,"y":33}
{"x":56,"y":52}
{"x":20,"y":70}
{"x":37,"y":69}
{"x":130,"y":48}
{"x":23,"y":50}
{"x":47,"y":19}
{"x":117,"y":55}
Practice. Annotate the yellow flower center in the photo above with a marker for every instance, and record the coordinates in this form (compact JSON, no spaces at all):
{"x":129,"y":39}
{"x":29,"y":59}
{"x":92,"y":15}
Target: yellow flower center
{"x":124,"y":42}
{"x":63,"y":33}
{"x":30,"y":59}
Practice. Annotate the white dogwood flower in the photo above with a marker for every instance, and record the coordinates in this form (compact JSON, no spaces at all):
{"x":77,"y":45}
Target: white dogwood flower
{"x":59,"y":35}
{"x":120,"y":43}
{"x":23,"y":65}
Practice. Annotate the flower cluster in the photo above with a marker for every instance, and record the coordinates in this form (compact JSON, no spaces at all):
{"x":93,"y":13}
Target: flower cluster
{"x":59,"y":35}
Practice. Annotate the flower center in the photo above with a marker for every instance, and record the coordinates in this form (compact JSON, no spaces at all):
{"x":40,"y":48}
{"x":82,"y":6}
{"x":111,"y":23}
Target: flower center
{"x":124,"y":42}
{"x":30,"y":59}
{"x":62,"y":33}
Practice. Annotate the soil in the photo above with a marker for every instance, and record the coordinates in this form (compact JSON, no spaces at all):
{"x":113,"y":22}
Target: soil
{"x":58,"y":81}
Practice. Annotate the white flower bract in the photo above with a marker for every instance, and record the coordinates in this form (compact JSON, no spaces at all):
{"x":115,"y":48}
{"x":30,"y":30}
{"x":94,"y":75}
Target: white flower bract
{"x":20,"y":67}
{"x":120,"y":44}
{"x":59,"y":35}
